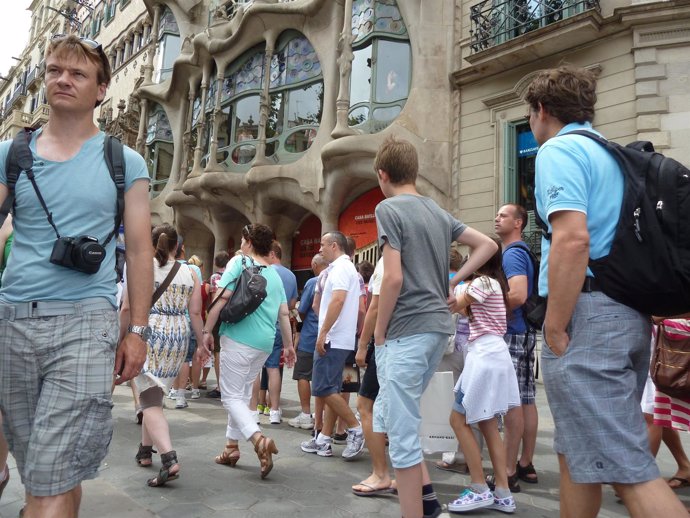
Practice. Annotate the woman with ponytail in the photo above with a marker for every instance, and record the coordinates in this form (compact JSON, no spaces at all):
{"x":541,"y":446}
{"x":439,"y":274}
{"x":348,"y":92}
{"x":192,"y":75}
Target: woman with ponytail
{"x":167,"y":348}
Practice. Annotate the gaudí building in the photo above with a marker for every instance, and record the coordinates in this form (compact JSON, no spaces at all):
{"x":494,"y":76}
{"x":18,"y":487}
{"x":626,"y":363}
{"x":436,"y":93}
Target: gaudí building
{"x":272,"y":111}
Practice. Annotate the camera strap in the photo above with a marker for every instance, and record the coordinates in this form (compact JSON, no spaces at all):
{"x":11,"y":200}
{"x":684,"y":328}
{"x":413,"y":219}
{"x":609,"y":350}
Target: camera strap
{"x":20,"y":158}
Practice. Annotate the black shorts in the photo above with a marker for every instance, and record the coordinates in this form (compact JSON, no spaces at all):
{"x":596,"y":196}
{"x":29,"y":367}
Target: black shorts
{"x":370,"y":382}
{"x":303,"y":366}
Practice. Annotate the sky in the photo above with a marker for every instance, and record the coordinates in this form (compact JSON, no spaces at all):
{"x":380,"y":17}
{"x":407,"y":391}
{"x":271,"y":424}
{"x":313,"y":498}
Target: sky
{"x":15,"y":24}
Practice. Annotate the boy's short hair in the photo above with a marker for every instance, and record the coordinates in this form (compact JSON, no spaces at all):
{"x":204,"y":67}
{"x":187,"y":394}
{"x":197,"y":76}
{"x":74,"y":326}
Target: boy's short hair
{"x":398,"y":158}
{"x":567,"y":93}
{"x":455,"y":260}
{"x":277,"y":249}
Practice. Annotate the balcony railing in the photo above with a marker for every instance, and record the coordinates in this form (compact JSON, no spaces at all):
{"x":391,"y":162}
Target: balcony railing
{"x":19,"y":94}
{"x":495,"y":22}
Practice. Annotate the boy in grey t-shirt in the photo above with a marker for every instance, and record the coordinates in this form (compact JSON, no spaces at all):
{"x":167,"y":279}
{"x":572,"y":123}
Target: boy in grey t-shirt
{"x":413,"y":322}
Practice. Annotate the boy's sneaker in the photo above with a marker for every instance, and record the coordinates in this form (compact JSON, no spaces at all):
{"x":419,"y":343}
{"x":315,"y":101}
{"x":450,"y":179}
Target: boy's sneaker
{"x":505,"y":505}
{"x":303,"y":421}
{"x":172,"y":394}
{"x":469,"y":500}
{"x":355,"y":444}
{"x":260,"y":408}
{"x":196,"y":394}
{"x":275,"y":416}
{"x":340,"y":438}
{"x":181,"y":402}
{"x":267,"y":410}
{"x":322,"y":450}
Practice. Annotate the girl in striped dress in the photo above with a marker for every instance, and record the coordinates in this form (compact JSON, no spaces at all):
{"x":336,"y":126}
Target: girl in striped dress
{"x":487,"y":388}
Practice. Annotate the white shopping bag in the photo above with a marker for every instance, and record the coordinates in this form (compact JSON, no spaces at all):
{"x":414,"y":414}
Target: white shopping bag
{"x":435,"y":432}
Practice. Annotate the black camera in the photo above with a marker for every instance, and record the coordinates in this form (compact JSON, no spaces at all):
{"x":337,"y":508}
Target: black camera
{"x":83,"y":253}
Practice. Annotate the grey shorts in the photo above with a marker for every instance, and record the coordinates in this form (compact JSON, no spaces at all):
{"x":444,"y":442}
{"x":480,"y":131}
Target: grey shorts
{"x":303,"y":366}
{"x":594,"y":391}
{"x":521,"y":347}
{"x":56,"y":374}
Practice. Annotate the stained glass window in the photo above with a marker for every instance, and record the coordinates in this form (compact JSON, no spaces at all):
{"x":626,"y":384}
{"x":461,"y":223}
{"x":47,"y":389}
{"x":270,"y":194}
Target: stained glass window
{"x":248,"y":77}
{"x":380,"y":16}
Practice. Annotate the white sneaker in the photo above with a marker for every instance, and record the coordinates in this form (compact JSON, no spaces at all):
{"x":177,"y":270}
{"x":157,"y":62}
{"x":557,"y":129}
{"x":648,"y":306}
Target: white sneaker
{"x":196,"y":394}
{"x":469,"y":500}
{"x":275,"y":416}
{"x":172,"y":394}
{"x":303,"y":421}
{"x":322,"y":450}
{"x":255,"y":415}
{"x":355,"y":444}
{"x":181,"y":402}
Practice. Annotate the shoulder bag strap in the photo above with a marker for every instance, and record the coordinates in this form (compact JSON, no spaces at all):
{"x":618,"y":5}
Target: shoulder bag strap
{"x":166,"y":282}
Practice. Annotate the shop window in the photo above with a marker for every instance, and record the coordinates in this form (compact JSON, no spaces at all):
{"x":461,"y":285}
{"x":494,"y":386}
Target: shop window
{"x":520,"y":158}
{"x":382,"y":65}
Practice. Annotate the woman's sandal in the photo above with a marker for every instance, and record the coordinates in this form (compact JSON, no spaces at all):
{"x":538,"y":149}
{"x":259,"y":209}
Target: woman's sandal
{"x":229,"y":456}
{"x":264,"y":448}
{"x":144,"y":456}
{"x":527,"y":473}
{"x":164,"y":476}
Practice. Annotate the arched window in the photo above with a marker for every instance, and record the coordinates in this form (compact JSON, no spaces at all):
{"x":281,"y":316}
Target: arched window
{"x":382,"y":65}
{"x":296,"y":98}
{"x":169,"y":45}
{"x":240,"y":114}
{"x":159,"y":149}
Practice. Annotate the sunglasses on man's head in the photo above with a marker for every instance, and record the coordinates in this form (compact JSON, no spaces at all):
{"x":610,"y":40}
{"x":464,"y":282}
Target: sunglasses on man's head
{"x":88,"y":42}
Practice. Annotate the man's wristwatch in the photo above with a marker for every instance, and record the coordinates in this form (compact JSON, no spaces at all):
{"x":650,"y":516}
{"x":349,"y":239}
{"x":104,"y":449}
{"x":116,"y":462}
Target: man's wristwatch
{"x":143,"y":331}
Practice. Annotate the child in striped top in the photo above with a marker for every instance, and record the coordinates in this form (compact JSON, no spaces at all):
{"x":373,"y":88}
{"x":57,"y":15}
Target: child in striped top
{"x":487,"y":387}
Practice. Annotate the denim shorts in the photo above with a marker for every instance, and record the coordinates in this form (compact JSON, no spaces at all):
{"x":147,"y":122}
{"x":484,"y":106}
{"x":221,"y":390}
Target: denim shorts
{"x":273,"y":360}
{"x":327,"y":374}
{"x":56,"y":375}
{"x":594,"y":391}
{"x":405,"y":366}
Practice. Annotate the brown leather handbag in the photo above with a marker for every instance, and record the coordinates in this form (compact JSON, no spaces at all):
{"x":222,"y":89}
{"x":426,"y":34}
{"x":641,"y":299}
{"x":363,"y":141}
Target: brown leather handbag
{"x":670,"y":365}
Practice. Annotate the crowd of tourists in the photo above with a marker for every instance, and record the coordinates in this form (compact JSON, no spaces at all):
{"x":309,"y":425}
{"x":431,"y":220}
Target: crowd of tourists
{"x":61,"y":354}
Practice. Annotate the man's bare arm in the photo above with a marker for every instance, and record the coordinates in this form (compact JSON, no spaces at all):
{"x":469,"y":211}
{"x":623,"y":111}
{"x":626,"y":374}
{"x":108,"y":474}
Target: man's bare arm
{"x":391,"y":285}
{"x":568,"y":258}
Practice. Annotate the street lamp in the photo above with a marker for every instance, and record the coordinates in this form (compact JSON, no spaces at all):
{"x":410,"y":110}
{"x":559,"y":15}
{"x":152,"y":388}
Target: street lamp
{"x":70,"y":14}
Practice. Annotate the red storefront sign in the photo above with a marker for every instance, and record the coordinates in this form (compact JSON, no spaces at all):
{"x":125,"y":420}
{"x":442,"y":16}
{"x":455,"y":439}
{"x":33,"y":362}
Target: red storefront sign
{"x":358,"y":219}
{"x":306,"y":243}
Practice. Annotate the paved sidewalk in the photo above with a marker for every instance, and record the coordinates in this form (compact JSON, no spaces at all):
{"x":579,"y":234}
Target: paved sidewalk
{"x":300,"y":485}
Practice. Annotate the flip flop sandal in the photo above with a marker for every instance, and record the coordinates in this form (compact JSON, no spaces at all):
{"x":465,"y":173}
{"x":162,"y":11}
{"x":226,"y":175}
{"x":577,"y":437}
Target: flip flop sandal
{"x":164,"y":476}
{"x":682,"y":482}
{"x":373,"y":491}
{"x":527,"y":473}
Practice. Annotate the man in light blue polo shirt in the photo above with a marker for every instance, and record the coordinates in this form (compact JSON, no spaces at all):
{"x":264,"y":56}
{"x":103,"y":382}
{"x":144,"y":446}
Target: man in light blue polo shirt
{"x":596,"y":350}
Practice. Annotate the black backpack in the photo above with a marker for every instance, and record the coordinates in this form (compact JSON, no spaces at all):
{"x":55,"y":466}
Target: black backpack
{"x":20,"y":158}
{"x":648,"y":266}
{"x":534,"y":308}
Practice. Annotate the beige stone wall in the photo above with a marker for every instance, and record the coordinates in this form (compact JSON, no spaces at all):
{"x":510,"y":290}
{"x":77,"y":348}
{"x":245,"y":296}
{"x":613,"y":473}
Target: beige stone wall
{"x":643,"y":91}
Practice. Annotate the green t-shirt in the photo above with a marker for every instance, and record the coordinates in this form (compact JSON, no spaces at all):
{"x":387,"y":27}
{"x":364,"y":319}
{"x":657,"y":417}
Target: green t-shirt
{"x":257,"y":330}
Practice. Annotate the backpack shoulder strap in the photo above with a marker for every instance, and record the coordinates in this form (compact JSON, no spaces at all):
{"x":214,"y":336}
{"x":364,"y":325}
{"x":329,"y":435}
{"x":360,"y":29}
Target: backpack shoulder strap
{"x":19,"y":158}
{"x":114,"y":154}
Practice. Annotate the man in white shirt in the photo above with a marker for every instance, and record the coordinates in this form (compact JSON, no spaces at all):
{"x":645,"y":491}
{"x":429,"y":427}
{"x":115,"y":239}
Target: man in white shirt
{"x":338,"y":312}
